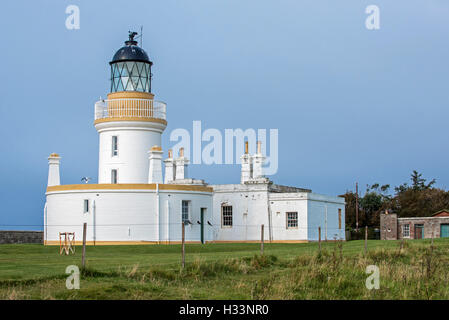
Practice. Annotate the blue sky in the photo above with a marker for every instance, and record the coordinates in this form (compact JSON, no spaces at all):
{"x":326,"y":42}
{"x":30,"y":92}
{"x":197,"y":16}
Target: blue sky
{"x":350,"y":104}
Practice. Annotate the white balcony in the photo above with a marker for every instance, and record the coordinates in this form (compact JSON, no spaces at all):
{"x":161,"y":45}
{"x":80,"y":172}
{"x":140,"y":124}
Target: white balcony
{"x":130,"y":108}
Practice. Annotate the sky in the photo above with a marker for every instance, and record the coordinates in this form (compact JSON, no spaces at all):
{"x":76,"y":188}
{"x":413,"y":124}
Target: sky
{"x":350,"y":104}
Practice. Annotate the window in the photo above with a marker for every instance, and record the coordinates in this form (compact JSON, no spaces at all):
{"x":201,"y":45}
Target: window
{"x":185,"y":210}
{"x":406,"y":230}
{"x":226,"y":216}
{"x":114,"y":146}
{"x":339,"y":218}
{"x":114,"y":176}
{"x":131,"y":76}
{"x":292,"y":220}
{"x":86,"y":206}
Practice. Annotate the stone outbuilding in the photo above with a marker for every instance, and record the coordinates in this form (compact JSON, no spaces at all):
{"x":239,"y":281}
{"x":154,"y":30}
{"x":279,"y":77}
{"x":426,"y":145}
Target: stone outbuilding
{"x":393,"y":228}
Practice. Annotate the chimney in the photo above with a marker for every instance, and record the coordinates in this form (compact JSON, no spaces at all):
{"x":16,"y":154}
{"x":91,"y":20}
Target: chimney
{"x":53,"y":170}
{"x":181,"y":166}
{"x":258,"y":161}
{"x":246,"y":161}
{"x":155,"y":171}
{"x":170,"y":167}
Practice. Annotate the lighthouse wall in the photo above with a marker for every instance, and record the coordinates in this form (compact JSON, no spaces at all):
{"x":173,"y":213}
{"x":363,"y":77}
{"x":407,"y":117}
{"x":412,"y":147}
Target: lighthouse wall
{"x":135,"y":140}
{"x":127,"y":216}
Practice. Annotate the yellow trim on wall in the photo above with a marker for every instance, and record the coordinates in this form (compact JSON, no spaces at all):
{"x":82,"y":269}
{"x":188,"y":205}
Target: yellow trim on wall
{"x":132,"y":243}
{"x":130,"y":95}
{"x":266,"y":241}
{"x":112,"y":119}
{"x":128,"y":186}
{"x":117,"y":243}
{"x":185,"y":187}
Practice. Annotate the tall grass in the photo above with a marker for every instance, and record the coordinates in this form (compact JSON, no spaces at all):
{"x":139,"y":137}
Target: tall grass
{"x":407,"y":271}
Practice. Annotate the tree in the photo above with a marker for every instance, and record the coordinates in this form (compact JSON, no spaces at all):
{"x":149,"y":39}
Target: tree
{"x":418,"y":183}
{"x":419,"y":199}
{"x":350,"y":212}
{"x":375,"y":200}
{"x":420,"y":203}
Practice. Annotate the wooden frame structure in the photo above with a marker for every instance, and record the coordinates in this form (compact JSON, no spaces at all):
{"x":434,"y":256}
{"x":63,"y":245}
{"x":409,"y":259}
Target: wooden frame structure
{"x":67,"y":243}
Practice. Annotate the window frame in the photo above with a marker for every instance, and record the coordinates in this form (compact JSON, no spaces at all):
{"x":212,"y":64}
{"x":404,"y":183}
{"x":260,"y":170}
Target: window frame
{"x":114,"y":151}
{"x":229,"y":218}
{"x":287,"y":220}
{"x":403,"y":230}
{"x":183,"y":219}
{"x":116,"y":176}
{"x":339,"y":218}
{"x":86,"y":206}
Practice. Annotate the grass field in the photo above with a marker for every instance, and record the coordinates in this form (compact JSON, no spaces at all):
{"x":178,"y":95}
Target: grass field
{"x":230,"y":271}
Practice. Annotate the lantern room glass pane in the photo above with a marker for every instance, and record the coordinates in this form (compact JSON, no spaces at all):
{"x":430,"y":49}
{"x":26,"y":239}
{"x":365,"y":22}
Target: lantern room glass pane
{"x":130,"y":76}
{"x":115,"y":71}
{"x":139,"y":85}
{"x":129,"y":67}
{"x":141,"y":68}
{"x":135,"y":82}
{"x":120,"y":85}
{"x":124,"y":71}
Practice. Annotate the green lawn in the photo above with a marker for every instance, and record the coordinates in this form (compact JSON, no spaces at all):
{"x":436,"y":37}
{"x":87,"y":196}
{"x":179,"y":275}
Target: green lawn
{"x":229,"y":271}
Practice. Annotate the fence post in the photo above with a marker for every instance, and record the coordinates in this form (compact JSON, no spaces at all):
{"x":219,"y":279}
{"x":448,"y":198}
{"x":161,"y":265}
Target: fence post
{"x":431,"y":246}
{"x":366,"y":239}
{"x":83,"y":259}
{"x":319,"y":238}
{"x":261,"y":239}
{"x":183,"y":250}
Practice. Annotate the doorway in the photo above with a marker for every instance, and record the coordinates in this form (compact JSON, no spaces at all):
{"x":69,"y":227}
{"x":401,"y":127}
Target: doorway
{"x":444,"y":231}
{"x":419,"y":231}
{"x":203,"y":213}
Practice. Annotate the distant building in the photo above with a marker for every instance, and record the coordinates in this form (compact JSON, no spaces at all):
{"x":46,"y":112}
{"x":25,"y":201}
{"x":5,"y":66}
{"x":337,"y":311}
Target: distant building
{"x":393,"y":228}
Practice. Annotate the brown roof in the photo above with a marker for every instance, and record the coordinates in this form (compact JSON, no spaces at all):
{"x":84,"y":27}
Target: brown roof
{"x":441,"y":213}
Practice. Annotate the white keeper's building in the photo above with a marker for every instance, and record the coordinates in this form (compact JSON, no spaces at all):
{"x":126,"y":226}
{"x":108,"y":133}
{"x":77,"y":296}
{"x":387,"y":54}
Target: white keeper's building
{"x":141,"y":198}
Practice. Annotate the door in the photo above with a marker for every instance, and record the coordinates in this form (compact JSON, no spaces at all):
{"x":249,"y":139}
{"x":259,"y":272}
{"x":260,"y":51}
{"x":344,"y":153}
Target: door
{"x":444,"y":231}
{"x":203,"y":213}
{"x":419,"y":231}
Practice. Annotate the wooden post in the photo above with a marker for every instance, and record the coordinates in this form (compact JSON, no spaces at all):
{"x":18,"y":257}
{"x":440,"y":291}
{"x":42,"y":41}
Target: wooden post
{"x":357,"y":209}
{"x":261,"y":239}
{"x":319,"y":238}
{"x":83,"y":259}
{"x":183,"y":250}
{"x":431,"y":245}
{"x":366,"y":239}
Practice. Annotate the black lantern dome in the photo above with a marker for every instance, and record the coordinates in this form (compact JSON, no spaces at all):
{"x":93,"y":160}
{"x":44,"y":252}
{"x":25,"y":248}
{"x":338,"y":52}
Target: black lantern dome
{"x":131,"y":68}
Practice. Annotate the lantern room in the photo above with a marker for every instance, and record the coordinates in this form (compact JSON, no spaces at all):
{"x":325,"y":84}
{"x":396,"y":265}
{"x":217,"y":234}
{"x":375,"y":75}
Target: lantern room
{"x":131,"y":68}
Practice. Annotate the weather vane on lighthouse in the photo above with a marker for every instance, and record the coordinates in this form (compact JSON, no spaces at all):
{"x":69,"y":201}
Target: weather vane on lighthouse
{"x":132,"y":34}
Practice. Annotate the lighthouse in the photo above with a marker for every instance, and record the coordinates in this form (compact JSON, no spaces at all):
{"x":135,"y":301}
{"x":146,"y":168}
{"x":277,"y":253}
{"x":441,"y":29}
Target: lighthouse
{"x":129,"y":122}
{"x":142,"y":198}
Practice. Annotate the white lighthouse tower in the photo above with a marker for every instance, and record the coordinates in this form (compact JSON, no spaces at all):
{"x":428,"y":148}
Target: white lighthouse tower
{"x":130,"y":122}
{"x":130,"y":204}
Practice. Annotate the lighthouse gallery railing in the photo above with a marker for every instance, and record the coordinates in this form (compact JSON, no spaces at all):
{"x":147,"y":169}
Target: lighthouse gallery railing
{"x":121,"y":108}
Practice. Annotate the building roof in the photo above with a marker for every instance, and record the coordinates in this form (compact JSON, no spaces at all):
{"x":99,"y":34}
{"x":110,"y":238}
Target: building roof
{"x":441,"y":213}
{"x":131,"y":52}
